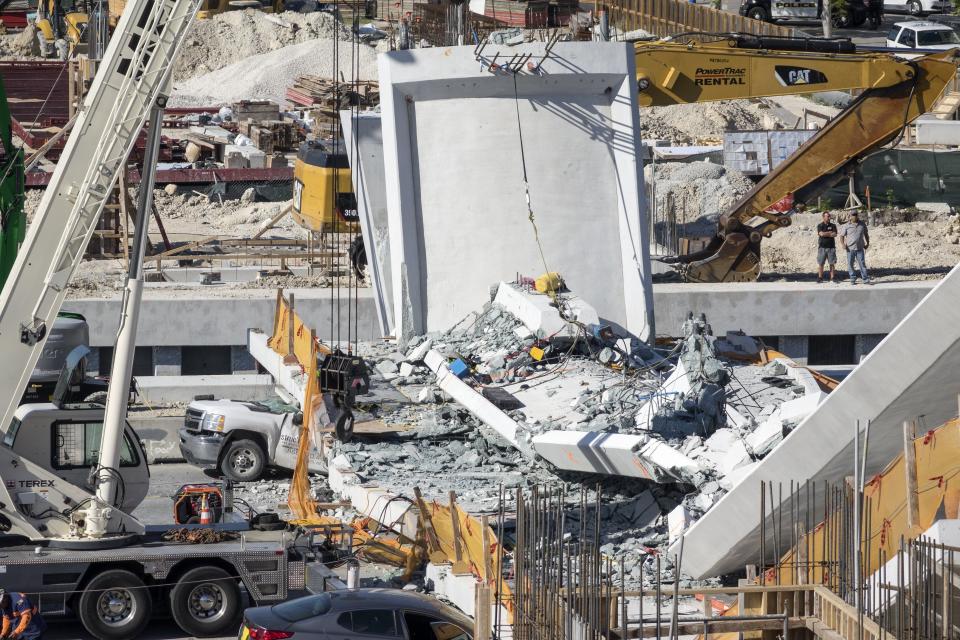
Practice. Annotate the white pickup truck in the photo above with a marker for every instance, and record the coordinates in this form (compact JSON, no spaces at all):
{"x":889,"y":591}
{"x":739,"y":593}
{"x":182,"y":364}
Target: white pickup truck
{"x":243,"y":439}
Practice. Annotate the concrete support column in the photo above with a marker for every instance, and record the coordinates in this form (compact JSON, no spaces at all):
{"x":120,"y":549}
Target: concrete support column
{"x":241,"y":361}
{"x":865,"y":343}
{"x":796,"y":347}
{"x":166,"y":361}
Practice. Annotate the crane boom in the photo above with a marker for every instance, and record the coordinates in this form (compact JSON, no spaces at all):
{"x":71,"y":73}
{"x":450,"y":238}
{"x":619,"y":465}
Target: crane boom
{"x":135,"y":67}
{"x":896,"y":92}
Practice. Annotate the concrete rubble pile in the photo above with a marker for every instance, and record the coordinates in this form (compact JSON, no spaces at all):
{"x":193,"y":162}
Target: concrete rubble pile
{"x":489,"y":400}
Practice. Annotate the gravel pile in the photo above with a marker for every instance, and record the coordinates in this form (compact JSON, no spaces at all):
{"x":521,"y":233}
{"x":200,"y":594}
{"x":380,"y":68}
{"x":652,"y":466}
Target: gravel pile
{"x":235,"y":35}
{"x":692,"y":123}
{"x":696,"y":192}
{"x":267,"y":76}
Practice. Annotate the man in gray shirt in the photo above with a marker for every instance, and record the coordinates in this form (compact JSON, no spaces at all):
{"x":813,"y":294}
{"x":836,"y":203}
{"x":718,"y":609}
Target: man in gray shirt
{"x":855,"y":239}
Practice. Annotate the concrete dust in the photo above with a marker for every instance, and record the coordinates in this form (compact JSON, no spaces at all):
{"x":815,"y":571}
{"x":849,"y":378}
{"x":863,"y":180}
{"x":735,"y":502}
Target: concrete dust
{"x":235,"y":35}
{"x":921,"y":249}
{"x":267,"y":76}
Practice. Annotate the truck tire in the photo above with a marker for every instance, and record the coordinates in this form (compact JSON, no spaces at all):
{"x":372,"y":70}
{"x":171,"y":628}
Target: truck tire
{"x":243,"y":461}
{"x":205,"y":602}
{"x":115,"y":605}
{"x":758,"y":13}
{"x":915,"y":8}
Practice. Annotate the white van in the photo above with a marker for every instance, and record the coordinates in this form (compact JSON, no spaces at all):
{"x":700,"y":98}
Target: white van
{"x":918,"y":7}
{"x":922,"y":35}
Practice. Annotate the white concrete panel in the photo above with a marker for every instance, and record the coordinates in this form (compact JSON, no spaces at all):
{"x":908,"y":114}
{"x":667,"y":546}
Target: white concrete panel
{"x":635,"y":456}
{"x":454,"y":230}
{"x":365,"y":151}
{"x":912,"y":372}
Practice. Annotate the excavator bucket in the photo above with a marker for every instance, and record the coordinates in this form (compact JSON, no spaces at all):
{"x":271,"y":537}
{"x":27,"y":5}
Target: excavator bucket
{"x":732,"y":258}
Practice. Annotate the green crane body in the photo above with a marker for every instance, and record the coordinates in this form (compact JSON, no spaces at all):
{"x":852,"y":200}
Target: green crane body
{"x":13,"y":221}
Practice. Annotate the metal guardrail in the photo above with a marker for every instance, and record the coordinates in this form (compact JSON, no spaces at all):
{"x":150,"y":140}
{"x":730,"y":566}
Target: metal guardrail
{"x":669,"y":17}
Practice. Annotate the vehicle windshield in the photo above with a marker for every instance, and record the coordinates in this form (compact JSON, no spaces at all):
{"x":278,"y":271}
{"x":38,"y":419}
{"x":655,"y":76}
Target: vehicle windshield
{"x":939,"y":37}
{"x":275,"y":405}
{"x":11,"y":434}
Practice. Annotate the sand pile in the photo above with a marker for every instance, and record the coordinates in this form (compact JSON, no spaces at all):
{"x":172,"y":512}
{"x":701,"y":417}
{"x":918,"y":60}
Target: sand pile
{"x":267,"y":76}
{"x":190,"y":212}
{"x":899,"y":251}
{"x":691,"y":123}
{"x":235,"y":35}
{"x":696,"y":192}
{"x":20,"y":46}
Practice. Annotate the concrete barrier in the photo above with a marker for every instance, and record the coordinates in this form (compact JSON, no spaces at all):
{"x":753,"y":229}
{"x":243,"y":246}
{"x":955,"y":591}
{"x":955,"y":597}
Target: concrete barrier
{"x":165,"y":390}
{"x":159,"y":437}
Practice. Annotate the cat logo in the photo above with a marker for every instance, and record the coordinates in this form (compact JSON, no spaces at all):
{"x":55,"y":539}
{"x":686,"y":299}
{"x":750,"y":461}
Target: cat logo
{"x":792,"y":76}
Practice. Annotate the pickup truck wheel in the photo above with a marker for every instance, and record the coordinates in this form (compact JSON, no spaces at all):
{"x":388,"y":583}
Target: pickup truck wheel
{"x":205,"y":602}
{"x":243,"y":461}
{"x":115,"y":606}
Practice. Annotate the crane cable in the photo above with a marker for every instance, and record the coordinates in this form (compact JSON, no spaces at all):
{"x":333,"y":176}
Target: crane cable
{"x":526,"y":185}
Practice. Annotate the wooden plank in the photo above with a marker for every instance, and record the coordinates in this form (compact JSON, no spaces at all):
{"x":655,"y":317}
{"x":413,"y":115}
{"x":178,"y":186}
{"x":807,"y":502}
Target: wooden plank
{"x":715,"y":625}
{"x":910,"y":472}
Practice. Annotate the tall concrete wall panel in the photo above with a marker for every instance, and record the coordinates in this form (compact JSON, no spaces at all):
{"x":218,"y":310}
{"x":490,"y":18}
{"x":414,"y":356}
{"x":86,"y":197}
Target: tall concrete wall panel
{"x":364,"y":137}
{"x":914,"y":371}
{"x":458,"y":137}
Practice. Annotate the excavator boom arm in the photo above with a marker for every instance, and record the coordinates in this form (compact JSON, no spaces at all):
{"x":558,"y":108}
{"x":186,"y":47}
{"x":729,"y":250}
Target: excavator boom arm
{"x":676,"y":73}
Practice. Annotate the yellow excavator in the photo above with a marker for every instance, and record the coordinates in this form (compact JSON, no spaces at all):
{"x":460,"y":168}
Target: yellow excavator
{"x":64,"y":22}
{"x":894,"y":93}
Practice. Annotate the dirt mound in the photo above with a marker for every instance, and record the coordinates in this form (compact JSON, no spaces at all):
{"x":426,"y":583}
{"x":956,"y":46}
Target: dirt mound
{"x":692,"y":123}
{"x":235,"y":35}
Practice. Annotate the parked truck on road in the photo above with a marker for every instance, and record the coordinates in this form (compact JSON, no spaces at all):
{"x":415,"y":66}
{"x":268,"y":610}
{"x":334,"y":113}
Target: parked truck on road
{"x":243,"y":439}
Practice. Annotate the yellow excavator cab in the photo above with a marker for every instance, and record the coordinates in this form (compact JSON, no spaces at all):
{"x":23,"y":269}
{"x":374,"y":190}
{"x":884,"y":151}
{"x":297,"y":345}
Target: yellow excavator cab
{"x":323,"y":198}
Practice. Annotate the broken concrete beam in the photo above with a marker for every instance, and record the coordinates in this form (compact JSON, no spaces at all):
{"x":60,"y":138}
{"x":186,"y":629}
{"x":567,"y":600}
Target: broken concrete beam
{"x":903,"y":377}
{"x":677,"y":384}
{"x":288,"y":378}
{"x":636,"y":456}
{"x":372,"y":501}
{"x":538,"y":314}
{"x":765,"y":437}
{"x":677,"y":522}
{"x":473,"y":401}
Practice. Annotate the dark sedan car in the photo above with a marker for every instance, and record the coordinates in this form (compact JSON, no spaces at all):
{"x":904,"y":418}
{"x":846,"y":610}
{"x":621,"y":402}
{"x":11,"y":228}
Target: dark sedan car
{"x":357,"y":614}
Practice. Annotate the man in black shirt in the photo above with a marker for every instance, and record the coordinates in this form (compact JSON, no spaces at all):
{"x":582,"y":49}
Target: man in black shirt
{"x":826,"y":246}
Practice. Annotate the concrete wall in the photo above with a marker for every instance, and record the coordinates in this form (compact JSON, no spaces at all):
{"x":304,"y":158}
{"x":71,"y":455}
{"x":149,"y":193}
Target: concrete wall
{"x":789,"y":308}
{"x":761,"y":309}
{"x":365,"y":150}
{"x":458,"y":218}
{"x":912,"y":372}
{"x":204,"y":318}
